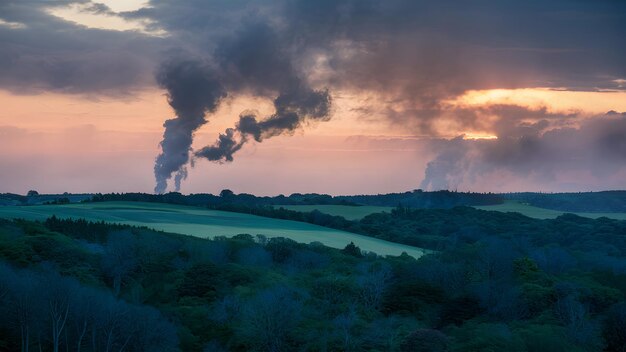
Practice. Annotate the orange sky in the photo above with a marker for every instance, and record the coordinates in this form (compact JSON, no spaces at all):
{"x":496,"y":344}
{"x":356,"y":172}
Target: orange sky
{"x":401,"y":85}
{"x":80,"y":141}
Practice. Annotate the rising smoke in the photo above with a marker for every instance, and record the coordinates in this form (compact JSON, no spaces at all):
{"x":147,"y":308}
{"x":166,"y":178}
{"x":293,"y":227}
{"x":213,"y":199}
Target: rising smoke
{"x":192,"y":90}
{"x":407,"y":55}
{"x":537,"y":152}
{"x":252,"y":61}
{"x":292,"y":110}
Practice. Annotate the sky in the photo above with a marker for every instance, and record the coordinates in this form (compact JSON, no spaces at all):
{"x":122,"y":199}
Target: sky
{"x":328,"y":96}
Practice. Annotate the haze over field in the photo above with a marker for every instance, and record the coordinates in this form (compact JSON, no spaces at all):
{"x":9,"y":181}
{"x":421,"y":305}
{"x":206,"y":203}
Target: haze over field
{"x":270,"y":97}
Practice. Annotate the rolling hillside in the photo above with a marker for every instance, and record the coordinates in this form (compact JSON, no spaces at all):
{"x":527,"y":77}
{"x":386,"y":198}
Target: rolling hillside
{"x":205,"y":223}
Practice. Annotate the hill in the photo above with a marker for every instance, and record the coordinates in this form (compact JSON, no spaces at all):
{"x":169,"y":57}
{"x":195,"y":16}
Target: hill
{"x":593,"y":202}
{"x":544,"y":213}
{"x":205,"y":223}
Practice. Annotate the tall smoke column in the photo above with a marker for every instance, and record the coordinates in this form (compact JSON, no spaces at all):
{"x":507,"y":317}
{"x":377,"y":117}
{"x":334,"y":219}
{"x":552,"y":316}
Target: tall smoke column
{"x":193,"y":89}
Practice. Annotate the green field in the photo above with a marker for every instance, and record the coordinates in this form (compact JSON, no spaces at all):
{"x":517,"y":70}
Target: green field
{"x":205,"y":223}
{"x":347,"y":211}
{"x":542,"y":213}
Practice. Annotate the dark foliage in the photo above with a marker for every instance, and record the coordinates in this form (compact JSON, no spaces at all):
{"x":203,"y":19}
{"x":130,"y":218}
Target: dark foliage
{"x":493,"y":281}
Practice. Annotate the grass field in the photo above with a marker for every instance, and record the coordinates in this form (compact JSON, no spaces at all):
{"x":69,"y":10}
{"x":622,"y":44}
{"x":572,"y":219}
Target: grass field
{"x":347,"y":211}
{"x":205,"y":223}
{"x":541,"y":213}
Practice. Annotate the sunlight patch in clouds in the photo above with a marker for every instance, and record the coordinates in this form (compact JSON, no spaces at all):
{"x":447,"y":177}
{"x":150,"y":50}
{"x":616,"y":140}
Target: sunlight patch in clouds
{"x":12,"y":25}
{"x":554,"y":100}
{"x":82,"y":15}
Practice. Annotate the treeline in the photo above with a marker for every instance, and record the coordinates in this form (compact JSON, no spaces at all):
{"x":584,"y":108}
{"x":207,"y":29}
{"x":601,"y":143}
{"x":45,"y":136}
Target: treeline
{"x":607,"y":201}
{"x":430,"y":200}
{"x":34,"y":198}
{"x":499,"y":282}
{"x":225,"y":197}
{"x":416,"y":199}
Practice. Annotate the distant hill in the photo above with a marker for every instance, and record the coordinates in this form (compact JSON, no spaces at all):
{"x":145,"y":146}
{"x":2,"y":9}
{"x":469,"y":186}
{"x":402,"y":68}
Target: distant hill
{"x":34,"y":198}
{"x":593,"y":202}
{"x":583,"y":202}
{"x":414,"y":199}
{"x":205,"y":223}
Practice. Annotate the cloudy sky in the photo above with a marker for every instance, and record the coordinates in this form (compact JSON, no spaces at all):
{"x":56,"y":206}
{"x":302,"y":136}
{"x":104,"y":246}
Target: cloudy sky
{"x":332,"y":96}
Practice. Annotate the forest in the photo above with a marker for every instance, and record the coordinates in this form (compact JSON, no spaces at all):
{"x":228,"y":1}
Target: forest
{"x":493,"y":282}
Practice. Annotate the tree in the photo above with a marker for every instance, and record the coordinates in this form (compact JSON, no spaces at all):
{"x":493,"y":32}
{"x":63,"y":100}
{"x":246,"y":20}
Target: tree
{"x":281,"y":248}
{"x":58,"y":304}
{"x":254,"y":256}
{"x":614,"y":329}
{"x":149,"y":331}
{"x":573,"y":315}
{"x":119,"y":257}
{"x":82,"y":316}
{"x":353,"y":250}
{"x":268,"y":319}
{"x":343,"y":325}
{"x":227,"y":194}
{"x":373,"y":281}
{"x":387,"y":333}
{"x":24,"y":304}
{"x":201,"y":281}
{"x":425,"y":340}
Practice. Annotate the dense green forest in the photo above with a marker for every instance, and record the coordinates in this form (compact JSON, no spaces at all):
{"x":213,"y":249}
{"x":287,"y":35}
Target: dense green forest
{"x":497,"y":282}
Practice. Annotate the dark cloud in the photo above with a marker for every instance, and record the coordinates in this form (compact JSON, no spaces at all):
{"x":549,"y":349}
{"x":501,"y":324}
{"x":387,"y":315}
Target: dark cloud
{"x":46,"y":53}
{"x":421,"y":51}
{"x":558,"y":43}
{"x":413,"y":55}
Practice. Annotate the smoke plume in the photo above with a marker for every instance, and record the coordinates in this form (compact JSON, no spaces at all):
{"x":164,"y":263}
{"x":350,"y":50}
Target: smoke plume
{"x":255,"y":60}
{"x":536,"y":152}
{"x":192,"y":90}
{"x":403,"y":62}
{"x":292,"y":110}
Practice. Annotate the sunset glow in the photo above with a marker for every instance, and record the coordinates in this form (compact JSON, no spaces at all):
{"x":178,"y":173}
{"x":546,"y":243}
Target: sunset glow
{"x":313,"y":175}
{"x":173,"y":90}
{"x":557,"y":100}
